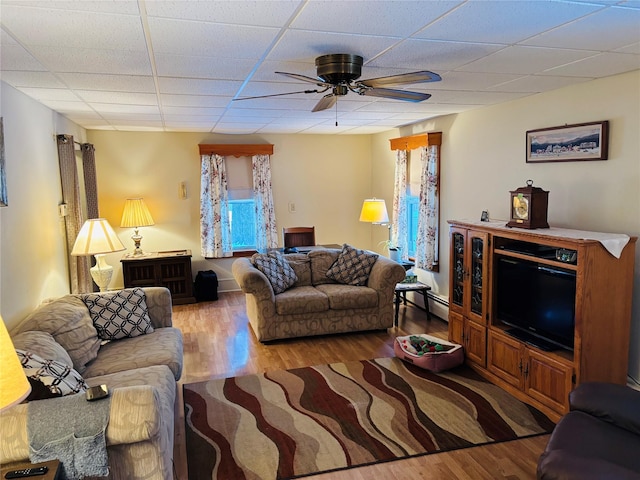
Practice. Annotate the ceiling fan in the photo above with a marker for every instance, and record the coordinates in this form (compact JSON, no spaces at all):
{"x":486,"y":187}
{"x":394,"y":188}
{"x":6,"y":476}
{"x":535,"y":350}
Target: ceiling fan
{"x":338,"y":72}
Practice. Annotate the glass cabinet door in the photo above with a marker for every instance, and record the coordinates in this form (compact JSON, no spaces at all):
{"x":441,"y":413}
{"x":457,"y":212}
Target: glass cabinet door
{"x":458,"y":251}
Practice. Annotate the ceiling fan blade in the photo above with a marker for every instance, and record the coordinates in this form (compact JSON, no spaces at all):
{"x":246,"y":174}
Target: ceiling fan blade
{"x":405,"y":95}
{"x":325,"y":102}
{"x":304,"y":78}
{"x":281,"y":94}
{"x":402,"y":79}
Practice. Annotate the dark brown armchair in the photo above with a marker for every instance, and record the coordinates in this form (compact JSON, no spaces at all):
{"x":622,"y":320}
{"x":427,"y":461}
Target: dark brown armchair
{"x":299,"y":236}
{"x":599,"y":439}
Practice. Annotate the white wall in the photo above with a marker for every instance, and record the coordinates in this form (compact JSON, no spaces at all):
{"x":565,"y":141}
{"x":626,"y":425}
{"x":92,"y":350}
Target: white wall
{"x":32,"y":239}
{"x":483,"y":158}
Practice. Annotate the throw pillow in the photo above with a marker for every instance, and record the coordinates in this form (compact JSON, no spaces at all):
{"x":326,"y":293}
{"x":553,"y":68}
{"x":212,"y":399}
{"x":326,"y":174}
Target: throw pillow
{"x":119,"y":314}
{"x":352,"y":267}
{"x":277,"y":270}
{"x":49,"y":378}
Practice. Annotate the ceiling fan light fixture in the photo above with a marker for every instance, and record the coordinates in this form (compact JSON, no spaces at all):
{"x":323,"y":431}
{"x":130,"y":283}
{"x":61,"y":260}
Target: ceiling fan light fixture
{"x":339,"y":67}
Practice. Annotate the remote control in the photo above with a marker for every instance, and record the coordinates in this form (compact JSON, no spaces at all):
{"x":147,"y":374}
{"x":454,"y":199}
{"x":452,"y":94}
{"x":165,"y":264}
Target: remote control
{"x":27,"y":472}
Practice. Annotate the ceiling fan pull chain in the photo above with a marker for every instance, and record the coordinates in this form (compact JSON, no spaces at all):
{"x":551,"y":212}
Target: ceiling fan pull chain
{"x":336,"y":112}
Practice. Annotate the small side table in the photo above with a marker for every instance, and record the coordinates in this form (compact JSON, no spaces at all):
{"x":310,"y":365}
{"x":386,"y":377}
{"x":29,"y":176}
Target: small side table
{"x":401,"y":294}
{"x":52,"y":474}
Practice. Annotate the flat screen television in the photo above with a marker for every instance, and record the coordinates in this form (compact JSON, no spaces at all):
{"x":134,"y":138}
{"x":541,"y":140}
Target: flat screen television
{"x":538,"y":301}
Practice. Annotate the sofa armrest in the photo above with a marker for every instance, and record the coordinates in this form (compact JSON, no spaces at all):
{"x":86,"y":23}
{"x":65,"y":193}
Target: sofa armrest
{"x":159,"y":304}
{"x":612,"y":403}
{"x":384,"y":276}
{"x":252,"y":281}
{"x":134,"y":416}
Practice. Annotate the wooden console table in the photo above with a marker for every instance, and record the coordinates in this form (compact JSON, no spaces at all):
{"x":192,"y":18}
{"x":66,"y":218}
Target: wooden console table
{"x":52,"y":474}
{"x":161,"y":269}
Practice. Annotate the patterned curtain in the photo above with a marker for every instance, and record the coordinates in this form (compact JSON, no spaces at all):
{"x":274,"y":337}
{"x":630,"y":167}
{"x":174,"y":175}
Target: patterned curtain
{"x":215,"y":227}
{"x":90,"y":181}
{"x":79,"y":275}
{"x":427,"y":244}
{"x":266,"y":233}
{"x":399,"y":237}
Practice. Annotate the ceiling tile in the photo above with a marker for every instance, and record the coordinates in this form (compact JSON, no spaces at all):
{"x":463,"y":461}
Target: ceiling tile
{"x":517,"y":20}
{"x":41,"y":94}
{"x":32,"y":79}
{"x":86,"y":60}
{"x":193,"y":100}
{"x":91,"y":30}
{"x":115,"y":83}
{"x":609,"y":63}
{"x":260,"y":13}
{"x":370,"y":17}
{"x":433,"y":55}
{"x":196,"y":86}
{"x":181,"y":37}
{"x":14,"y":57}
{"x":224,"y":68}
{"x":608,"y":29}
{"x":525,"y":60}
{"x":537,"y":83}
{"x":118,"y":97}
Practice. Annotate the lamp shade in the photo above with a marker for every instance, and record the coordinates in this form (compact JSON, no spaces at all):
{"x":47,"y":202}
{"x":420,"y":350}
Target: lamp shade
{"x":374,"y":210}
{"x":136,"y":214}
{"x":14,"y":386}
{"x":96,"y":236}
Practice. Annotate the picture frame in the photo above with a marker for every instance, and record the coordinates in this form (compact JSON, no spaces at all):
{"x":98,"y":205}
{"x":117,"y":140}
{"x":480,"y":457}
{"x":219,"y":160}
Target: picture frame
{"x":3,"y":175}
{"x":569,"y":143}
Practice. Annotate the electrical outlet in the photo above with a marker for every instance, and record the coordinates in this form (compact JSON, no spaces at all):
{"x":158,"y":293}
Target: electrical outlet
{"x":292,"y":207}
{"x":62,"y":209}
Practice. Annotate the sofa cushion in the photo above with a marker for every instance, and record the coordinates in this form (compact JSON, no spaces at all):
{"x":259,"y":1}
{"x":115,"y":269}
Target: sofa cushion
{"x":301,"y":264}
{"x":352,"y":267}
{"x":42,"y":344}
{"x":119,"y":314}
{"x":46,"y":374}
{"x":343,"y":297}
{"x":276,"y":269}
{"x":321,"y":261}
{"x":301,"y":300}
{"x":161,"y":347}
{"x":67,"y":319}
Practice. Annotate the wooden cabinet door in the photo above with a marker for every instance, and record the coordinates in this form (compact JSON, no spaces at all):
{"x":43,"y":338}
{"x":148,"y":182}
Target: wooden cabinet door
{"x":457,"y":272}
{"x":456,"y":328}
{"x":548,"y":380}
{"x":505,"y":358}
{"x":475,"y":342}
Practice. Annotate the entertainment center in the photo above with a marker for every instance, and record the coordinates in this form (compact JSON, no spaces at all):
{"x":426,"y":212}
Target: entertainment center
{"x":541,"y":311}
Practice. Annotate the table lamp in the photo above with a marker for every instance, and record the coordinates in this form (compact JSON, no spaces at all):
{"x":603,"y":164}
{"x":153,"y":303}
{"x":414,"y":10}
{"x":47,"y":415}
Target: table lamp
{"x":136,"y":215}
{"x":374,"y":210}
{"x":97,"y":238}
{"x":14,"y":386}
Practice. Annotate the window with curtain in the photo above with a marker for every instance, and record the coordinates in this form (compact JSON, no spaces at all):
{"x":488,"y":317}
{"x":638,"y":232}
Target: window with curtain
{"x":416,"y":207}
{"x":236,"y":201}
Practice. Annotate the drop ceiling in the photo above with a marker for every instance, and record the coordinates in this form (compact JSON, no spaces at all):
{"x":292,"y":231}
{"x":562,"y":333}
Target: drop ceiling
{"x":155,"y":65}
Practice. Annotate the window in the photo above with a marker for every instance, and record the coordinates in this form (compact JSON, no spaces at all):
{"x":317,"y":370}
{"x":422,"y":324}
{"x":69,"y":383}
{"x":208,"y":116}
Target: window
{"x":412,"y":223}
{"x":242,"y":216}
{"x":242,"y":212}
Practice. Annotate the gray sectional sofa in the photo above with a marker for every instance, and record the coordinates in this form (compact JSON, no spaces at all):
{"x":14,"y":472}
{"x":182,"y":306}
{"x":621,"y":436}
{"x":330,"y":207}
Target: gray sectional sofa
{"x":140,"y":371}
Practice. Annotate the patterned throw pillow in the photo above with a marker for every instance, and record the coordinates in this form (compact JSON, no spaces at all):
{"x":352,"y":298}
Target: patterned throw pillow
{"x":277,"y":270}
{"x":49,"y":378}
{"x":119,"y":314}
{"x":352,"y":267}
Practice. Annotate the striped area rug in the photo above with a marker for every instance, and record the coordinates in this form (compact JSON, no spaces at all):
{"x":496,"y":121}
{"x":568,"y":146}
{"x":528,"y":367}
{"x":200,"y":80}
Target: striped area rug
{"x":293,"y":423}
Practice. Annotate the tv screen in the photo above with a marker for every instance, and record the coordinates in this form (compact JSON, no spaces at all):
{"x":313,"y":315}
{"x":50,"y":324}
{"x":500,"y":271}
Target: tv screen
{"x":538,"y":301}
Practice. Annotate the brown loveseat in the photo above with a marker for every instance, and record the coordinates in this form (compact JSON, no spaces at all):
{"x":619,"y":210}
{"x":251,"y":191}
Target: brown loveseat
{"x":317,"y":304}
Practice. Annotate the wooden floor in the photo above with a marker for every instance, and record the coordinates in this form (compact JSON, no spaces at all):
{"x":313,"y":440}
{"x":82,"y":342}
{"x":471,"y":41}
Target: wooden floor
{"x":219,"y":343}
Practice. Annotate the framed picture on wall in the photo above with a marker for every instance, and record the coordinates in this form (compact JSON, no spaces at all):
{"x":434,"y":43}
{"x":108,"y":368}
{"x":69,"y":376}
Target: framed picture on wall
{"x":3,"y":175}
{"x":569,"y":143}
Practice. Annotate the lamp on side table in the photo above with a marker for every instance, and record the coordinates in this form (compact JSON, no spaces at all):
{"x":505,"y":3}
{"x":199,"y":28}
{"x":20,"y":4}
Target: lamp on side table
{"x":97,"y":238}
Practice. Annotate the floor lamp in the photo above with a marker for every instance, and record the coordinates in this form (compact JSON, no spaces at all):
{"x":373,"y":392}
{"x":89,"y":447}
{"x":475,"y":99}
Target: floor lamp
{"x":97,"y":238}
